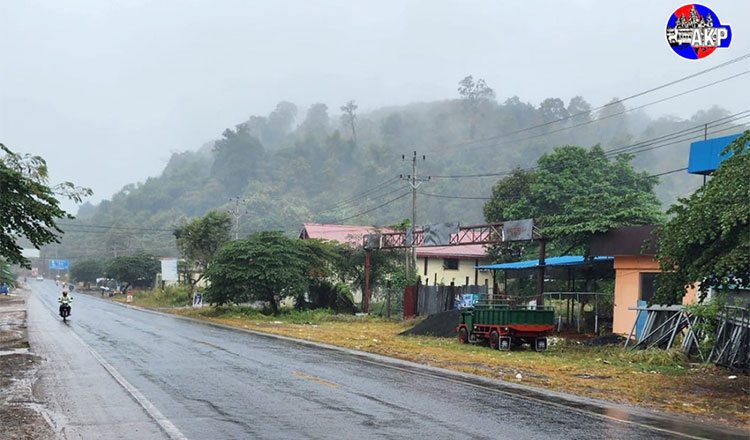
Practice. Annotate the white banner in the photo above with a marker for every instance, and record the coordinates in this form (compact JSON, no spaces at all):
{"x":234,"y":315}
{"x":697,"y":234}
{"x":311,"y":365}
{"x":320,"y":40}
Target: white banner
{"x":169,"y":269}
{"x":30,"y":253}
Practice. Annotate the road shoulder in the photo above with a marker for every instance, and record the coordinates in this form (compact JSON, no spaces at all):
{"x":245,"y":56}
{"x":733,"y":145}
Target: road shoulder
{"x":679,"y":424}
{"x":21,"y":415}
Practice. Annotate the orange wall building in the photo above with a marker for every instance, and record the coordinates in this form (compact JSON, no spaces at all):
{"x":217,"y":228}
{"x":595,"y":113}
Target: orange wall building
{"x":635,"y":271}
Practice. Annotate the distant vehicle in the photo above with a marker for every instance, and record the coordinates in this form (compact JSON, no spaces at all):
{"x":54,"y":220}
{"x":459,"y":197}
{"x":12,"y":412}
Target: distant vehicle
{"x":40,"y":278}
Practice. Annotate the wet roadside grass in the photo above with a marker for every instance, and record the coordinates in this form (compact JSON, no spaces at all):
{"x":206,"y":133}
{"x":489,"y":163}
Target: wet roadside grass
{"x":658,"y":379}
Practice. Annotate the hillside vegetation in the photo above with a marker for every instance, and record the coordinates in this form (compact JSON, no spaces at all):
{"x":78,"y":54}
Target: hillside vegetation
{"x":282,"y":169}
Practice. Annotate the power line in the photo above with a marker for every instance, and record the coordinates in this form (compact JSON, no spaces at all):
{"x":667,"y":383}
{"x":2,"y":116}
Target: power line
{"x":446,"y":196}
{"x":641,"y":145}
{"x":377,"y":207}
{"x":124,"y":228}
{"x":618,"y":113}
{"x":376,"y":188}
{"x":370,"y":193}
{"x":619,"y":101}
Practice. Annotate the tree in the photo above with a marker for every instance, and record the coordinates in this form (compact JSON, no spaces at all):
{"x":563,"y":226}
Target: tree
{"x":348,"y":118}
{"x":29,"y":205}
{"x":576,"y":193}
{"x":553,"y":109}
{"x":237,"y":158}
{"x":474,"y":96}
{"x":317,"y":122}
{"x":266,"y":266}
{"x":579,"y":109}
{"x":199,"y":240}
{"x":7,"y":276}
{"x":707,"y":239}
{"x":87,"y":271}
{"x":136,"y":270}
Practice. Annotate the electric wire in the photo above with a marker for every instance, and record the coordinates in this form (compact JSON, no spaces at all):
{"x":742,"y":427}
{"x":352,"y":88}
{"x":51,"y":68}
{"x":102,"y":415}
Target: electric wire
{"x":612,"y":103}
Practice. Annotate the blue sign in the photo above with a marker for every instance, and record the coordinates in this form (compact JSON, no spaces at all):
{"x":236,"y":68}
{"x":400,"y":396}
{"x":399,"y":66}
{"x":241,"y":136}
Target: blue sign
{"x":469,"y":300}
{"x":58,"y":264}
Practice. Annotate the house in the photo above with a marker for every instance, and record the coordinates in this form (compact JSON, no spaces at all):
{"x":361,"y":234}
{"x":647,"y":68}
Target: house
{"x":435,"y":264}
{"x":635,"y":270}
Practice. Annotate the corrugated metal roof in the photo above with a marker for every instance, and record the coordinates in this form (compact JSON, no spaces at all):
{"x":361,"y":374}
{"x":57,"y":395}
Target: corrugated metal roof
{"x":568,"y":260}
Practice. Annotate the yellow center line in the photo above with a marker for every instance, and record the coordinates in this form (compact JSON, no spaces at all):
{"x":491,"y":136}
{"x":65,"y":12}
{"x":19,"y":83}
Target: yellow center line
{"x":315,"y":379}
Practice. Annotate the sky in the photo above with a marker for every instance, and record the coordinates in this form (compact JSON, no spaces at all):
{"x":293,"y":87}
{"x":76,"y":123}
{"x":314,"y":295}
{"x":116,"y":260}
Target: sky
{"x":105,"y":91}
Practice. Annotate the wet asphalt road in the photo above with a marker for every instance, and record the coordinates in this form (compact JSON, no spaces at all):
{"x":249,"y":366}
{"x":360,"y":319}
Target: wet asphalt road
{"x":213,"y":383}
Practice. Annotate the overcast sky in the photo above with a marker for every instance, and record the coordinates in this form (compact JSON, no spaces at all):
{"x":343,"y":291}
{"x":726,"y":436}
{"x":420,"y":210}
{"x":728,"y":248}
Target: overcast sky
{"x":105,"y":91}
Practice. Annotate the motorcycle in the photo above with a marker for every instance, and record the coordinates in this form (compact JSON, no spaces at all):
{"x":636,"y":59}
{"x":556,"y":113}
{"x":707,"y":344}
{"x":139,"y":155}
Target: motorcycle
{"x":64,"y":311}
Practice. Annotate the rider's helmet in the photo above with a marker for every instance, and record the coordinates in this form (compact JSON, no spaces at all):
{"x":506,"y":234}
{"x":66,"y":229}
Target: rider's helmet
{"x":65,"y":292}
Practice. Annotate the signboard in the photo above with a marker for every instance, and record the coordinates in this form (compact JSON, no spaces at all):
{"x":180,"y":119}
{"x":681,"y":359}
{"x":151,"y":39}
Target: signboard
{"x":169,"y":269}
{"x":34,"y":272}
{"x":30,"y":253}
{"x":439,"y":234}
{"x":518,"y":230}
{"x":197,"y":299}
{"x":468,"y":300}
{"x":58,"y":264}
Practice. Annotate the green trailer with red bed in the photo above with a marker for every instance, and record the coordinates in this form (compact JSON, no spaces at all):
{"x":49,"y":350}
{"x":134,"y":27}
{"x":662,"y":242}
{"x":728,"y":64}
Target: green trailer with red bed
{"x":505,"y":327}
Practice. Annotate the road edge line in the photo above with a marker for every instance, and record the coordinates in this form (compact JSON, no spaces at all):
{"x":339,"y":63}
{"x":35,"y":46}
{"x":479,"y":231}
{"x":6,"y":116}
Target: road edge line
{"x":469,"y":379}
{"x":168,"y":427}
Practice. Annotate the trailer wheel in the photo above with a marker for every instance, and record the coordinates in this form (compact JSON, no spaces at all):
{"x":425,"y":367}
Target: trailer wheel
{"x":494,"y":340}
{"x":463,"y":335}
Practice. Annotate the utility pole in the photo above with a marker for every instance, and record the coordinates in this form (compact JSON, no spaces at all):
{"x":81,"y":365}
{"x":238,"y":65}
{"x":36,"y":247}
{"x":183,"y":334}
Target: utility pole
{"x":237,"y":214}
{"x":414,"y":181}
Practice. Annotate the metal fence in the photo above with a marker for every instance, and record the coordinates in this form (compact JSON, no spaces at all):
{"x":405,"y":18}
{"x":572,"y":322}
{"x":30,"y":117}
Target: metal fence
{"x":731,"y":339}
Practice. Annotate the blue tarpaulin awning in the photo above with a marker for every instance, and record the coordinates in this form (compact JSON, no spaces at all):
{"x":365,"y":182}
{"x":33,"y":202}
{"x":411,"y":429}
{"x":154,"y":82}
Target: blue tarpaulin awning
{"x":568,"y":260}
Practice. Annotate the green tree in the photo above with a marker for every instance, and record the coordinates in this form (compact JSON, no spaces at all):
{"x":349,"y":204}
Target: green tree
{"x":87,"y":271}
{"x":475,"y":97}
{"x":136,"y":270}
{"x":199,"y":240}
{"x":7,"y":276}
{"x":707,"y":239}
{"x":348,"y":118}
{"x":237,"y":158}
{"x":575,"y":193}
{"x":266,"y":266}
{"x":28,"y":204}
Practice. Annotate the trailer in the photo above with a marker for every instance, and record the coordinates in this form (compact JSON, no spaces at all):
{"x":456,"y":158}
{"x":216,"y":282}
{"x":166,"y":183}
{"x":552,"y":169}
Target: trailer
{"x":505,"y":326}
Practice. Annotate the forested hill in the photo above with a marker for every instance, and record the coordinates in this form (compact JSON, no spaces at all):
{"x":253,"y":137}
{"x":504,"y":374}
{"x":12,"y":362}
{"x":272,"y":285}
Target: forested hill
{"x":339,"y":165}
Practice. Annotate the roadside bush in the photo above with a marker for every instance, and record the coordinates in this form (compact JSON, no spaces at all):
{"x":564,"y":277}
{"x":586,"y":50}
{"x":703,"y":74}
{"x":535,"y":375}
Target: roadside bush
{"x":172,"y":296}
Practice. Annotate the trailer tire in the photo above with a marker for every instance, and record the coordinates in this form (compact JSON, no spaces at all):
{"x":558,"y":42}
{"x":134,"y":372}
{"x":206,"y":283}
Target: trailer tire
{"x":494,"y":340}
{"x":463,"y":335}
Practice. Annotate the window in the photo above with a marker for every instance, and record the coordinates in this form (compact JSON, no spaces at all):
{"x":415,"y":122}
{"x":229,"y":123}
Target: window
{"x":450,"y":263}
{"x":648,"y":285}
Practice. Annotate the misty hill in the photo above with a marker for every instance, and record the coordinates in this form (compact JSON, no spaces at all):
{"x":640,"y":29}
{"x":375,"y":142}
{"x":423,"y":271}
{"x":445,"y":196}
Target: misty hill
{"x":333,"y":164}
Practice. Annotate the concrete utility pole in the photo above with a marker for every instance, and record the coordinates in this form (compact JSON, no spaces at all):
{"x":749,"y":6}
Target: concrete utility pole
{"x":414,"y":181}
{"x":237,"y":214}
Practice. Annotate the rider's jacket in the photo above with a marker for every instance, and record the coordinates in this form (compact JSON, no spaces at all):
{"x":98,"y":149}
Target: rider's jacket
{"x":65,"y":299}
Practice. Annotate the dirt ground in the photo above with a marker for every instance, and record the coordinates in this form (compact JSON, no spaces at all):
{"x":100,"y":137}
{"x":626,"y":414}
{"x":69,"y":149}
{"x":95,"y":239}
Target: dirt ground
{"x":20,"y":417}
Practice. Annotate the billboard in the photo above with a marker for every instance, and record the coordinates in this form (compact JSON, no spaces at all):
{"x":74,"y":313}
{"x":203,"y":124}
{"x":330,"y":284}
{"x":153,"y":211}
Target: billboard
{"x":169,"y":269}
{"x":30,"y":253}
{"x":58,"y":265}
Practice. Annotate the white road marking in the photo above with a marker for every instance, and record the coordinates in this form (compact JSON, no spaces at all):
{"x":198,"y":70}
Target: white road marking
{"x":164,"y":423}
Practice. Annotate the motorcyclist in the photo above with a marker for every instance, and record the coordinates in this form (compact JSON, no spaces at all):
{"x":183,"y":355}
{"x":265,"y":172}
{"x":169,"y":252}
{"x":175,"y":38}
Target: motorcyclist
{"x":65,"y":300}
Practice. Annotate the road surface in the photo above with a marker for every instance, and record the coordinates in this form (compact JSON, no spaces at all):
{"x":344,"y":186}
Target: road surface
{"x":117,"y":372}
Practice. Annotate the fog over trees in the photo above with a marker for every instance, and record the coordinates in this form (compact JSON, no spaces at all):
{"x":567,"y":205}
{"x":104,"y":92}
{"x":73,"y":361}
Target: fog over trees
{"x":292,"y":166}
